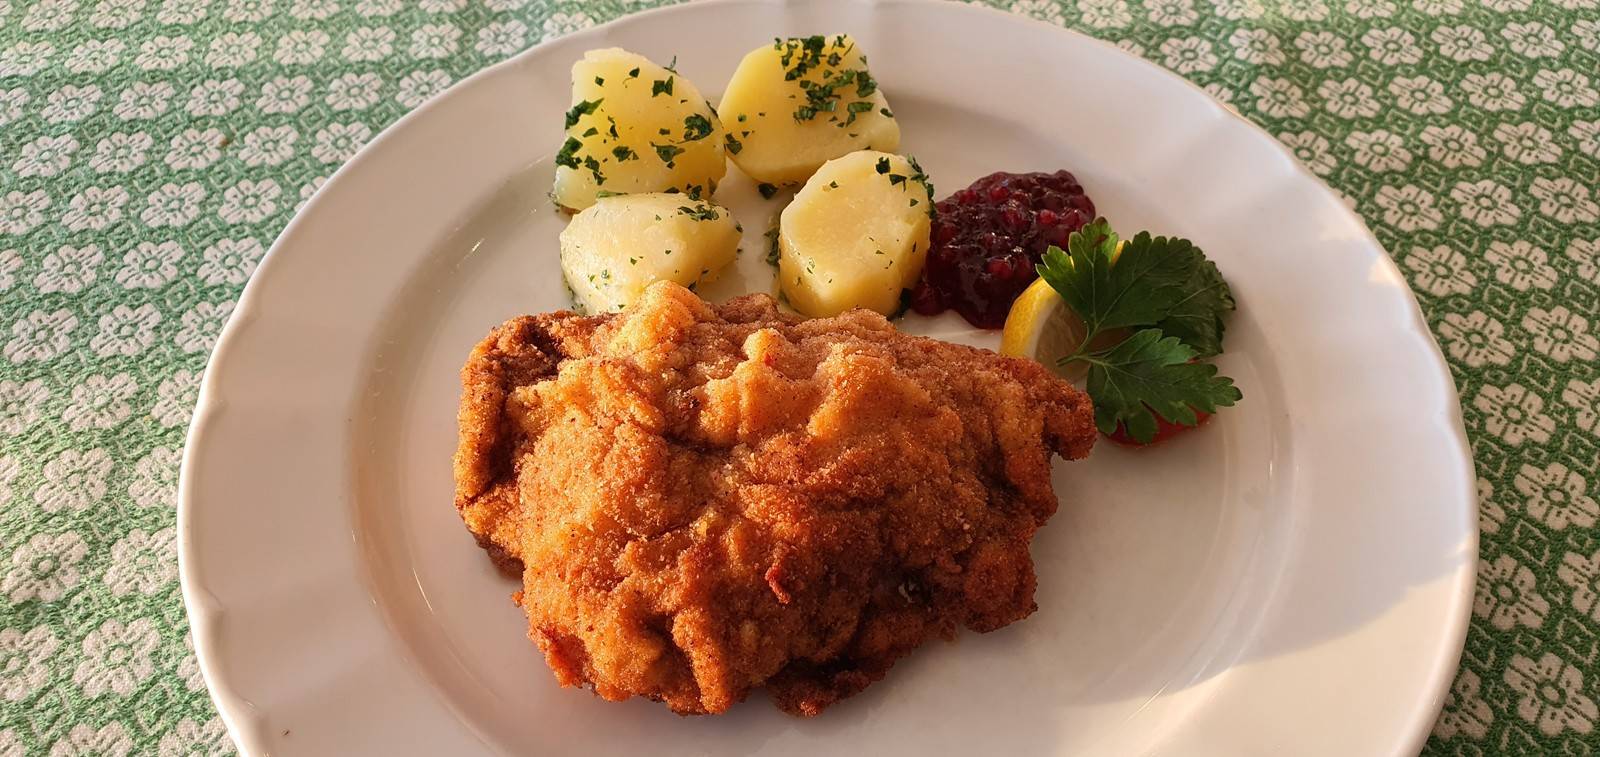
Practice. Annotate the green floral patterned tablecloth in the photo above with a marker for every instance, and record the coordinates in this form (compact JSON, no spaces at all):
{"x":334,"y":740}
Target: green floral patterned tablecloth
{"x":150,"y":150}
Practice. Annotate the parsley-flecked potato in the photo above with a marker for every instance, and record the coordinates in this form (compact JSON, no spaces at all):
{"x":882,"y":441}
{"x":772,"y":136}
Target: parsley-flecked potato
{"x":855,"y":235}
{"x":798,"y":103}
{"x":634,"y":127}
{"x":621,"y":244}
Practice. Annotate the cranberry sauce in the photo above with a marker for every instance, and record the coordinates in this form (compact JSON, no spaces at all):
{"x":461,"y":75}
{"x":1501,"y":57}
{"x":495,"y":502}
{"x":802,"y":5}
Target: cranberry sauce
{"x":988,"y":237}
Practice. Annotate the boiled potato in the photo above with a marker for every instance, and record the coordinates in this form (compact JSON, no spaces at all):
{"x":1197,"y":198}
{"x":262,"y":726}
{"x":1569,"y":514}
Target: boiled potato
{"x":621,"y":244}
{"x":855,"y":235}
{"x":798,"y":103}
{"x":634,"y":127}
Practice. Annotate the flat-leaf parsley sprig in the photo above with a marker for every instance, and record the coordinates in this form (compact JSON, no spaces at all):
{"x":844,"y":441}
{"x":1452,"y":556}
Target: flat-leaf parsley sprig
{"x":1172,"y":299}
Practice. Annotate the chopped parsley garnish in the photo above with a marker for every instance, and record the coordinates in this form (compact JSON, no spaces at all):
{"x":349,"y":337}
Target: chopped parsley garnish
{"x":922,"y":176}
{"x":613,"y":130}
{"x":733,"y":145}
{"x":696,"y":126}
{"x":774,"y":251}
{"x":883,"y":165}
{"x":601,"y":194}
{"x":693,"y":190}
{"x":807,"y":55}
{"x":1172,"y":298}
{"x":599,"y":81}
{"x":886,"y":113}
{"x":624,"y":153}
{"x":766,"y":190}
{"x":661,"y":87}
{"x":568,"y":155}
{"x":594,"y":168}
{"x":667,"y":153}
{"x":702,"y":213}
{"x":808,"y":50}
{"x":824,"y":97}
{"x":580,"y":110}
{"x":633,"y":74}
{"x":673,"y":66}
{"x":591,"y":131}
{"x":865,"y":84}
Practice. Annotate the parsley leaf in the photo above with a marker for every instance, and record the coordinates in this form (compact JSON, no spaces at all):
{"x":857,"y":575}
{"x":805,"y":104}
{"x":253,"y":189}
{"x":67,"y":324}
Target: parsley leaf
{"x":1197,"y":318}
{"x":1175,"y":297}
{"x":1157,"y":281}
{"x":661,"y":87}
{"x":1149,"y":373}
{"x":1142,"y":288}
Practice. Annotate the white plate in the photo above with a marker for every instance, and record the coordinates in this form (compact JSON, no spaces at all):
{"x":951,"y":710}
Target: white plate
{"x":1294,"y":579}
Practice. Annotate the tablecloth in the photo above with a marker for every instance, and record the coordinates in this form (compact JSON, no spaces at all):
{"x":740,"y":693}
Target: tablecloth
{"x":150,"y":150}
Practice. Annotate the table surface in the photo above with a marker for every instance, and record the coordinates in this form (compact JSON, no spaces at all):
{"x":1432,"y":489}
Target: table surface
{"x":150,"y":150}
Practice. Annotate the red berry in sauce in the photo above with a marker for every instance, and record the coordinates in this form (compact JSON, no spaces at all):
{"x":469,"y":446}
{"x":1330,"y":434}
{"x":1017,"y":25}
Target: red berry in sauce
{"x":988,"y":237}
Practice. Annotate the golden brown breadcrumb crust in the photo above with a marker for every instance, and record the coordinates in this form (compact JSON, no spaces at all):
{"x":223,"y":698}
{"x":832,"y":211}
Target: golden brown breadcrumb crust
{"x":701,"y":500}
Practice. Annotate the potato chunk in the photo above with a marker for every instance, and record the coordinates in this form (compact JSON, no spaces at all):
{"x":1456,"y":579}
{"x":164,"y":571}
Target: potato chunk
{"x":855,"y":235}
{"x":621,"y":244}
{"x":796,"y":104}
{"x":635,"y":127}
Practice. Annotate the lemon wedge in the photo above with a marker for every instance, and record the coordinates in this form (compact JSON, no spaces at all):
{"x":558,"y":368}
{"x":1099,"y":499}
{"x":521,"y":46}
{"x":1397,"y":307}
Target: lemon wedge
{"x":1041,"y":327}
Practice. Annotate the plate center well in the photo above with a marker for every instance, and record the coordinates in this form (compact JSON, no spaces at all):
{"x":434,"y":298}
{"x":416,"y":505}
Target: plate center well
{"x":1151,"y":575}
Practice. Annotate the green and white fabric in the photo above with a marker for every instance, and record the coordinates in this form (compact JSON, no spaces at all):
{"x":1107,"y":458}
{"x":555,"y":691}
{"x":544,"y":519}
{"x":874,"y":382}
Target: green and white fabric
{"x":150,"y":150}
